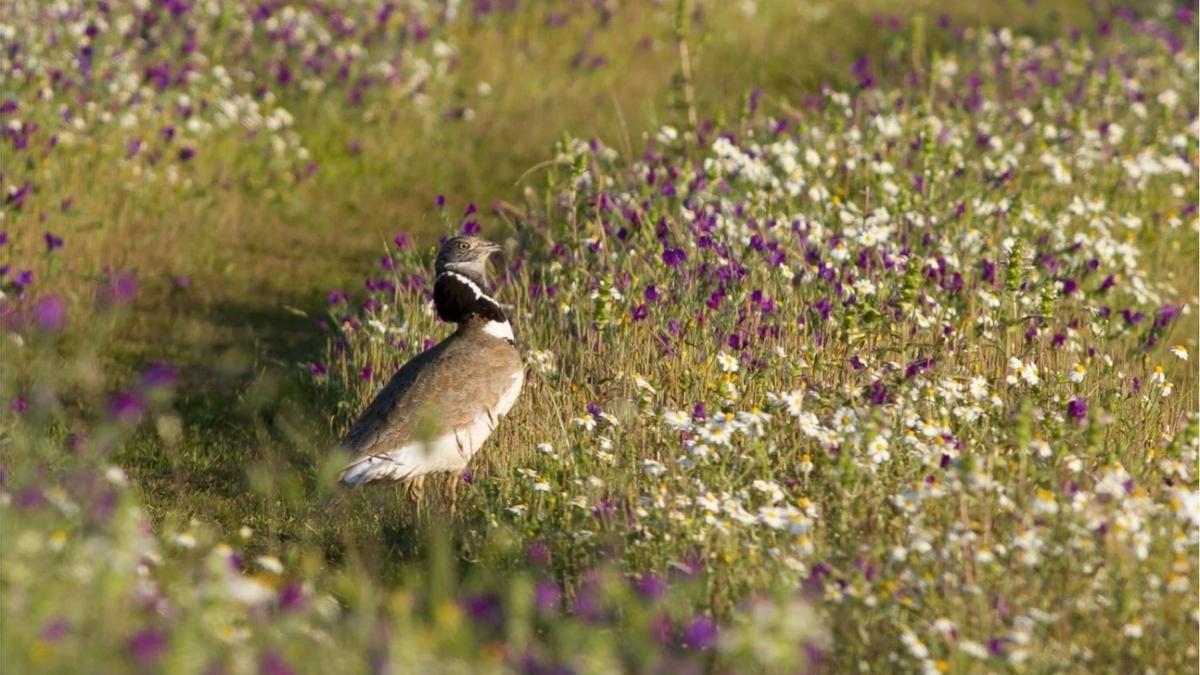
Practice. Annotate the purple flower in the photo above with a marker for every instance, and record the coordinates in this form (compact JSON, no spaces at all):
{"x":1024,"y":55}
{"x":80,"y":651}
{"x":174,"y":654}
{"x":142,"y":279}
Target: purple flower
{"x":272,"y":663}
{"x":1077,"y":409}
{"x":186,"y":153}
{"x":673,"y":257}
{"x":919,"y":365}
{"x":56,"y":630}
{"x":700,"y":634}
{"x":30,"y":498}
{"x":292,"y":598}
{"x":18,"y":405}
{"x":51,"y":312}
{"x":401,"y":241}
{"x":365,"y":373}
{"x":468,"y":476}
{"x":336,"y":297}
{"x":651,"y":294}
{"x":1166,"y":314}
{"x":640,"y":312}
{"x":159,"y":375}
{"x":147,"y":646}
{"x":823,"y":308}
{"x":651,"y":586}
{"x":546,"y":596}
{"x":119,"y":288}
{"x":483,"y":609}
{"x":23,"y":278}
{"x":53,"y":242}
{"x":126,"y":408}
{"x":317,"y":370}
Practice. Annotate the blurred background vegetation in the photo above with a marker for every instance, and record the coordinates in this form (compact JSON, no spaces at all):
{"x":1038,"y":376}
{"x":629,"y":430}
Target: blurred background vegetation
{"x":235,"y":260}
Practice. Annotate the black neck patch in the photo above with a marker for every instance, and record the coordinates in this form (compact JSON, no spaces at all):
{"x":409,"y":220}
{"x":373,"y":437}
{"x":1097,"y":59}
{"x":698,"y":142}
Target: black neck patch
{"x":457,"y":298}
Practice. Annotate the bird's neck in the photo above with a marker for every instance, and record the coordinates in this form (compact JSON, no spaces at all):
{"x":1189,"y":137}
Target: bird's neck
{"x":459,"y":298}
{"x":474,"y":273}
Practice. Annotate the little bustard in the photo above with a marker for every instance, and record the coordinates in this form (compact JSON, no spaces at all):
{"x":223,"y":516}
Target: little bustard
{"x":440,"y":407}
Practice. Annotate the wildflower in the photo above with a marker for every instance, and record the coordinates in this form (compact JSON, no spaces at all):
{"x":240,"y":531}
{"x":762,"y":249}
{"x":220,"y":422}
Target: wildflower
{"x":650,"y":586}
{"x":1077,"y":409}
{"x":1077,"y":373}
{"x":728,"y":363}
{"x":973,"y":649}
{"x":270,"y":563}
{"x":845,"y":420}
{"x":793,"y":400}
{"x":585,"y":421}
{"x":773,"y":517}
{"x":53,"y":242}
{"x":806,"y":464}
{"x":1180,"y":352}
{"x":1044,"y":503}
{"x":700,"y":634}
{"x":51,"y":312}
{"x":877,"y":450}
{"x":653,"y":467}
{"x":678,"y":420}
{"x":546,"y":596}
{"x":116,"y":476}
{"x":273,"y":663}
{"x":673,"y":257}
{"x":1025,"y":372}
{"x":147,"y":646}
{"x":126,"y":408}
{"x":642,"y":384}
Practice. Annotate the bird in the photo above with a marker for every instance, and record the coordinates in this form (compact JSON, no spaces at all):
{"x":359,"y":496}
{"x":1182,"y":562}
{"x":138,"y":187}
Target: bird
{"x":440,"y":407}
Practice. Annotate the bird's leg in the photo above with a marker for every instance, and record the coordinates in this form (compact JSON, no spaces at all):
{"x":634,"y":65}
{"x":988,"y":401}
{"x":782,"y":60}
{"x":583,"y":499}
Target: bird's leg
{"x":419,"y":491}
{"x":455,"y":479}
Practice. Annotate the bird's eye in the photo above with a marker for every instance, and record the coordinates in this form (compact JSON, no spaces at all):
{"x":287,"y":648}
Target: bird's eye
{"x":462,"y":245}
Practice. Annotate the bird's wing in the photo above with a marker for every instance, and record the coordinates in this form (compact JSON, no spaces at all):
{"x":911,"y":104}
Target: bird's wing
{"x":439,"y":391}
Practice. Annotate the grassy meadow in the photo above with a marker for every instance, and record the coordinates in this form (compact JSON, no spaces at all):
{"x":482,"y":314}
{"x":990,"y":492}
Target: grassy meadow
{"x":860,"y":337}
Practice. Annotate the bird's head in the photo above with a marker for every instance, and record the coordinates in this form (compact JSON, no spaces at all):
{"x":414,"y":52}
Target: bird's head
{"x":467,"y":256}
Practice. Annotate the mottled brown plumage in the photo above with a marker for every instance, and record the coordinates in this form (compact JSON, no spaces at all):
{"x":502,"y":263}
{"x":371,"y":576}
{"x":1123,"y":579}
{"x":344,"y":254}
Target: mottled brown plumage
{"x":439,"y":390}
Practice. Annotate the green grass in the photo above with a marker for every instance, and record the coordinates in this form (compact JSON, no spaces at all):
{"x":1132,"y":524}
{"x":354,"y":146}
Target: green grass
{"x":251,"y":256}
{"x":247,"y":438}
